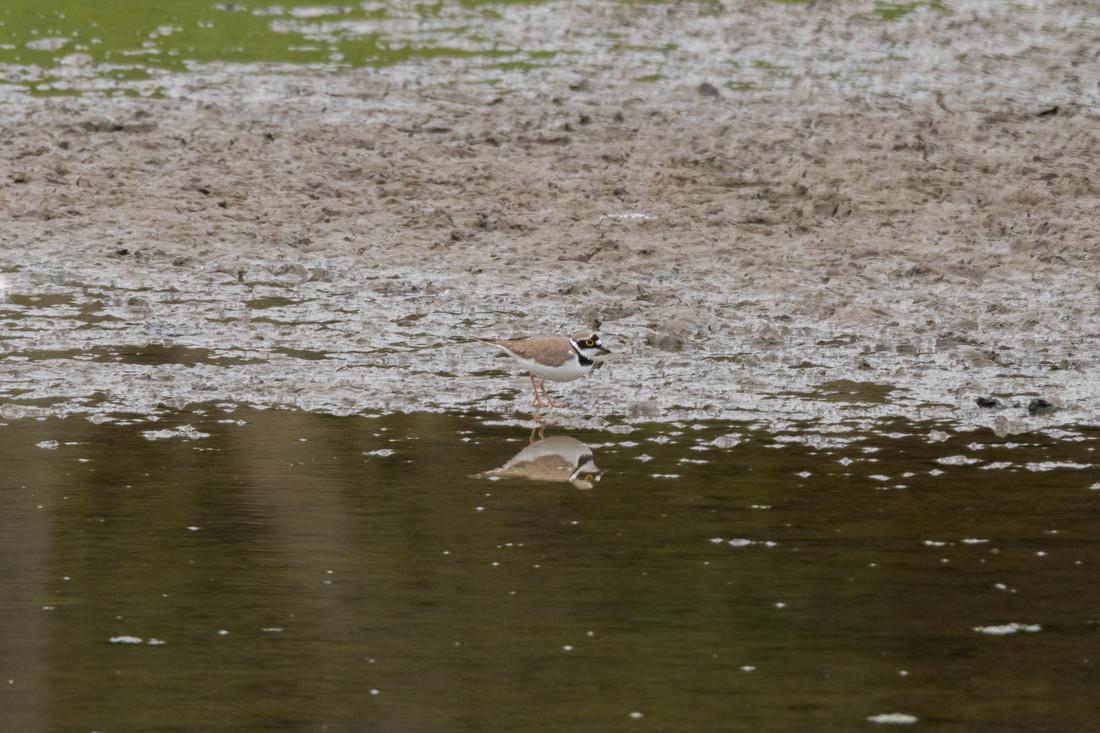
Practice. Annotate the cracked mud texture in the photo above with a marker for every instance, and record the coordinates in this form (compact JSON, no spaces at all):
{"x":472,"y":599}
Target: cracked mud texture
{"x":855,"y":238}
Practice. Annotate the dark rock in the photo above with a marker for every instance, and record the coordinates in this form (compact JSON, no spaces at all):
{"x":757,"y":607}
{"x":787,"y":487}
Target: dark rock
{"x":707,"y":89}
{"x":992,"y":402}
{"x":1039,"y":406}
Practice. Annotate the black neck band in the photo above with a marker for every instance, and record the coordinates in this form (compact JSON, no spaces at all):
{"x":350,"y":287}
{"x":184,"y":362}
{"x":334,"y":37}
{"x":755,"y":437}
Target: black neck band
{"x":584,"y":360}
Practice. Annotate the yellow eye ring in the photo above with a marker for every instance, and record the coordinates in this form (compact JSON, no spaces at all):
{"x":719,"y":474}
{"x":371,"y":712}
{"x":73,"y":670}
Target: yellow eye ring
{"x":589,"y":342}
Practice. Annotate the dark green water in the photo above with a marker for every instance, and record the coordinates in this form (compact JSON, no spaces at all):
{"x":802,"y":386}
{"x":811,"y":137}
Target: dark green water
{"x":168,"y":35}
{"x":304,"y":572}
{"x":128,"y":47}
{"x":124,"y":46}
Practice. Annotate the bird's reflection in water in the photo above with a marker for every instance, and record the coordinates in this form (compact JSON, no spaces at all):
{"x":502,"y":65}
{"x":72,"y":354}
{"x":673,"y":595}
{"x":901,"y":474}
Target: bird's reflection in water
{"x":558,"y":458}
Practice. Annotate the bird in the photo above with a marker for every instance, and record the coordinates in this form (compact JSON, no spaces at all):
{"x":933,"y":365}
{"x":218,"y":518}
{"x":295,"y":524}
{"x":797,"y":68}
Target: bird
{"x":557,"y":358}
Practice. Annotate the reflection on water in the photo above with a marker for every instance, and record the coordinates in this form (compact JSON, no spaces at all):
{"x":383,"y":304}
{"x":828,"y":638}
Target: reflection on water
{"x":226,"y":569}
{"x":559,"y":458}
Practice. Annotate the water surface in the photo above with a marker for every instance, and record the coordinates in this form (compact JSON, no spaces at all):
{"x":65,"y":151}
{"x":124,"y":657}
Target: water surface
{"x":229,"y":569}
{"x":122,"y":47}
{"x":117,"y":46}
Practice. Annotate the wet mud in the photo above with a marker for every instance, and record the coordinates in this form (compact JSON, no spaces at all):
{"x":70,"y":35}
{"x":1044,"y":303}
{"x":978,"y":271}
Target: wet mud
{"x":891,"y":219}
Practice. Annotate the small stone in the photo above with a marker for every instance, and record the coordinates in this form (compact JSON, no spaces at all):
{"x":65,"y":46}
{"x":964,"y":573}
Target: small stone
{"x":1003,"y":427}
{"x":649,"y":408}
{"x":665,"y":342}
{"x":1039,"y":406}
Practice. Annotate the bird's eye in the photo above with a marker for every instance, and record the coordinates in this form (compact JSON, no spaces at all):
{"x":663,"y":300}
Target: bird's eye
{"x":589,"y":342}
{"x":589,"y":478}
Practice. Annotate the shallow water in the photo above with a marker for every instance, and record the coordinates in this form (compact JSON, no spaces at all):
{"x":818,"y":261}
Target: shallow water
{"x":230,"y":569}
{"x":56,"y":47}
{"x":117,"y":47}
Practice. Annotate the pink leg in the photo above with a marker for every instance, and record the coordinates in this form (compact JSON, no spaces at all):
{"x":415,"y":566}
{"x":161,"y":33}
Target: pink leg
{"x":537,"y":401}
{"x":549,"y":399}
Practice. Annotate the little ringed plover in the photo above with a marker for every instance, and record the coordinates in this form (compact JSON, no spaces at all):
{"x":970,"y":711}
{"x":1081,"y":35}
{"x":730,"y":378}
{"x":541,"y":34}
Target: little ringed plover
{"x":558,"y":359}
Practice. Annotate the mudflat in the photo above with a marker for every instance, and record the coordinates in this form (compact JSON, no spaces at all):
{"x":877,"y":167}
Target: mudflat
{"x":886,"y":218}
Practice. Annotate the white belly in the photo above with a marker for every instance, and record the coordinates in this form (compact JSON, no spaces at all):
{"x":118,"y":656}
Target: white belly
{"x":567,"y":372}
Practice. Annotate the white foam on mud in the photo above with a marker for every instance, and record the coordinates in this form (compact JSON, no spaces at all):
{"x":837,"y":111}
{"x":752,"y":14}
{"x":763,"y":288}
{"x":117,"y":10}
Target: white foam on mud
{"x":893,"y":719}
{"x":184,"y":431}
{"x":125,"y":639}
{"x":1056,"y":465}
{"x":957,"y":460}
{"x":1008,"y":629}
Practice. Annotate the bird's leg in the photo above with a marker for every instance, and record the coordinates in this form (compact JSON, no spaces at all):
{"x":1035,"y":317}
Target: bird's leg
{"x":549,"y":399}
{"x":536,"y":400}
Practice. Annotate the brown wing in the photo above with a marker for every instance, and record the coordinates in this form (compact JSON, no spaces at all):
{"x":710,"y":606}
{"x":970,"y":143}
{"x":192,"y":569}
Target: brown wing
{"x":549,"y":351}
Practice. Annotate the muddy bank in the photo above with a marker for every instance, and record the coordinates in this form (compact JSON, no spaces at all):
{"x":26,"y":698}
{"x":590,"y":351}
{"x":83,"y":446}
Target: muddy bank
{"x":824,"y":247}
